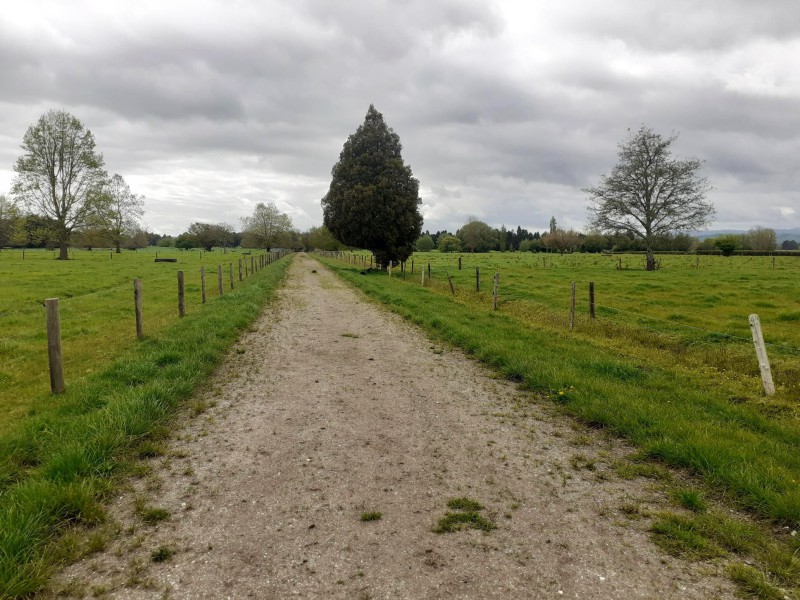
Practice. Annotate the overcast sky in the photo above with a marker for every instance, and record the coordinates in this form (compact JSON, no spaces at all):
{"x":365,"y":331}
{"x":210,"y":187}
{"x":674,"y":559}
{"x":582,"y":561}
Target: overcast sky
{"x":505,"y":109}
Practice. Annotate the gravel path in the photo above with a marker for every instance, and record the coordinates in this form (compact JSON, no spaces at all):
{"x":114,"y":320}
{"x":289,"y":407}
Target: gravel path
{"x":331,"y":408}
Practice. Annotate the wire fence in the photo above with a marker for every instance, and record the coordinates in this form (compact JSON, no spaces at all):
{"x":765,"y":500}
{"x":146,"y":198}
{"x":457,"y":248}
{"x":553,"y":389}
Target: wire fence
{"x":648,"y":314}
{"x":97,"y":325}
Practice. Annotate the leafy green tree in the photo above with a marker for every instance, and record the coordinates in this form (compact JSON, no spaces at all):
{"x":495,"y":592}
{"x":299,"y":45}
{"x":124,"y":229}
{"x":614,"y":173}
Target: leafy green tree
{"x":562,"y":241}
{"x":449,"y":243}
{"x":477,"y":236}
{"x":648,"y":193}
{"x":123,"y":211}
{"x":789,"y":245}
{"x":596,"y":242}
{"x":60,"y":175}
{"x":373,"y":200}
{"x":263,"y":228}
{"x":319,"y":238}
{"x":424,"y":243}
{"x":9,"y":217}
{"x":728,"y":244}
{"x":207,"y":235}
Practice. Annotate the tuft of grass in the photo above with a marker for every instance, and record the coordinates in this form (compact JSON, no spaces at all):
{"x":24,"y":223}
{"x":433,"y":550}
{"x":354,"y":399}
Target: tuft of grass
{"x":162,"y":554}
{"x":149,"y":514}
{"x":464,"y":503}
{"x":371,"y":516}
{"x":754,"y":582}
{"x":456,"y":521}
{"x":691,"y":499}
{"x":680,"y":537}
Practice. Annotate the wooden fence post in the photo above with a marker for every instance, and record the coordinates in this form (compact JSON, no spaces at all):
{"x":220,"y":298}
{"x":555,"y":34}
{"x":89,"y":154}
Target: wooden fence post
{"x":591,"y":299}
{"x":252,"y":265}
{"x":412,"y":267}
{"x":477,"y":279}
{"x":572,"y":309}
{"x":761,"y":353}
{"x":231,"y":270}
{"x":137,"y":304}
{"x":459,"y":263}
{"x":390,"y":268}
{"x":429,"y":270}
{"x":496,"y":290}
{"x":423,"y":278}
{"x":219,"y":279}
{"x":181,"y":303}
{"x":450,"y":281}
{"x":54,"y":356}
{"x":203,"y":283}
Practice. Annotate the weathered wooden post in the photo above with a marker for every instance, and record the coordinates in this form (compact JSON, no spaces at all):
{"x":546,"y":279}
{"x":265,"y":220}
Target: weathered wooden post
{"x":54,"y":356}
{"x":203,"y":283}
{"x":477,"y":279}
{"x":450,"y":281}
{"x":181,"y":303}
{"x":459,"y":263}
{"x":572,"y":309}
{"x":231,"y":272}
{"x":219,"y":279}
{"x":761,"y":353}
{"x":496,"y":290}
{"x":137,"y":304}
{"x":591,"y":299}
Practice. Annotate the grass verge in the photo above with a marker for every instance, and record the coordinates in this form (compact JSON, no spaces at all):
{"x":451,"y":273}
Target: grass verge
{"x":58,"y":464}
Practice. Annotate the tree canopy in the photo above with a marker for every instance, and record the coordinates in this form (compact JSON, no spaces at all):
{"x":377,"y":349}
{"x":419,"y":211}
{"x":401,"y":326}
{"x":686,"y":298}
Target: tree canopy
{"x":60,"y":175}
{"x":265,"y":226}
{"x":477,"y":236}
{"x":373,"y":200}
{"x":648,"y":193}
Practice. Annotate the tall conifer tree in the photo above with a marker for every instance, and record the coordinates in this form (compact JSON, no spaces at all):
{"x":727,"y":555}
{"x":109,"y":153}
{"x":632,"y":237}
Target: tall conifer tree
{"x":373,"y":200}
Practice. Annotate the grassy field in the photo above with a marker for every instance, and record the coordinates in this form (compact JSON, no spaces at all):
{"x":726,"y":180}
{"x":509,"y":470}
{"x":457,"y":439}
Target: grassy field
{"x":60,"y":455}
{"x":96,"y":306}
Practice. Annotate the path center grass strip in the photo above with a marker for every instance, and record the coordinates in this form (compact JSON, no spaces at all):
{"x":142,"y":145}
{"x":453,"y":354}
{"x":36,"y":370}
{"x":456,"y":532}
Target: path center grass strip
{"x":668,"y":414}
{"x":57,"y":465}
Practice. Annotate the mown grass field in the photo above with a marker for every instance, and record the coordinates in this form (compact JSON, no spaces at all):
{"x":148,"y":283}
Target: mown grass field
{"x":668,"y":364}
{"x":95,"y":290}
{"x":60,"y":456}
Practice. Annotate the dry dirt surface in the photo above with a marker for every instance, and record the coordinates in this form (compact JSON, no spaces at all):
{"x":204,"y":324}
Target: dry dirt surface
{"x":331,"y":408}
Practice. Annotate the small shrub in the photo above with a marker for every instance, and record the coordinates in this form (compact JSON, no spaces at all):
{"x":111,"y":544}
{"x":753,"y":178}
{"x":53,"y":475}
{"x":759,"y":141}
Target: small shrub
{"x":371,"y":516}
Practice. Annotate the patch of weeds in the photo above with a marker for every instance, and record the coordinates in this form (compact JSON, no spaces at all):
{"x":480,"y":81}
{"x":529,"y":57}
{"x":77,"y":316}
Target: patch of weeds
{"x":162,"y":554}
{"x":451,"y":522}
{"x":99,"y":590}
{"x":691,"y":499}
{"x":148,"y":449}
{"x":632,"y":510}
{"x":581,"y":440}
{"x":371,"y":516}
{"x":240,"y":350}
{"x":631,"y":470}
{"x":464,"y":504}
{"x":351,"y":335}
{"x":754,"y":582}
{"x":467,"y":517}
{"x":149,"y":514}
{"x":579,"y":461}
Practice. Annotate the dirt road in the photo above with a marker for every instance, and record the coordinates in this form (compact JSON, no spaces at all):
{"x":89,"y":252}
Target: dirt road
{"x":332,"y":408}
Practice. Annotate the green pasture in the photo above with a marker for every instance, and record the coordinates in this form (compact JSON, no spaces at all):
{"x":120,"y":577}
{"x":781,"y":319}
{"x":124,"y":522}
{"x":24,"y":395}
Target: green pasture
{"x":691,"y":314}
{"x":95,"y":291}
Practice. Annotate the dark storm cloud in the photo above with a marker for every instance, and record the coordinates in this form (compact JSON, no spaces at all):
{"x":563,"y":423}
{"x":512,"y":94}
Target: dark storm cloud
{"x":505,"y":110}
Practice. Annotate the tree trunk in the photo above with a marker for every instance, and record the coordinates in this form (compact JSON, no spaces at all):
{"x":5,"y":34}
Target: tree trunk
{"x":63,"y":251}
{"x":116,"y":249}
{"x":651,"y":260}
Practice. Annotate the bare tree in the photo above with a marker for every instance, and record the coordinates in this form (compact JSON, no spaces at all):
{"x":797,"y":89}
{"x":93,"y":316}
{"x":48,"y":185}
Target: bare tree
{"x":60,"y":175}
{"x":648,"y":193}
{"x":263,"y":227}
{"x":124,"y":210}
{"x":762,"y":239}
{"x":562,"y":241}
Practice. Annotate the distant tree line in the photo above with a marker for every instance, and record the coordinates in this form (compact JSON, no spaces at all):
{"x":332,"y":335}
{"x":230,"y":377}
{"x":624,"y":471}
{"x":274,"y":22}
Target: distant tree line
{"x":477,"y":236}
